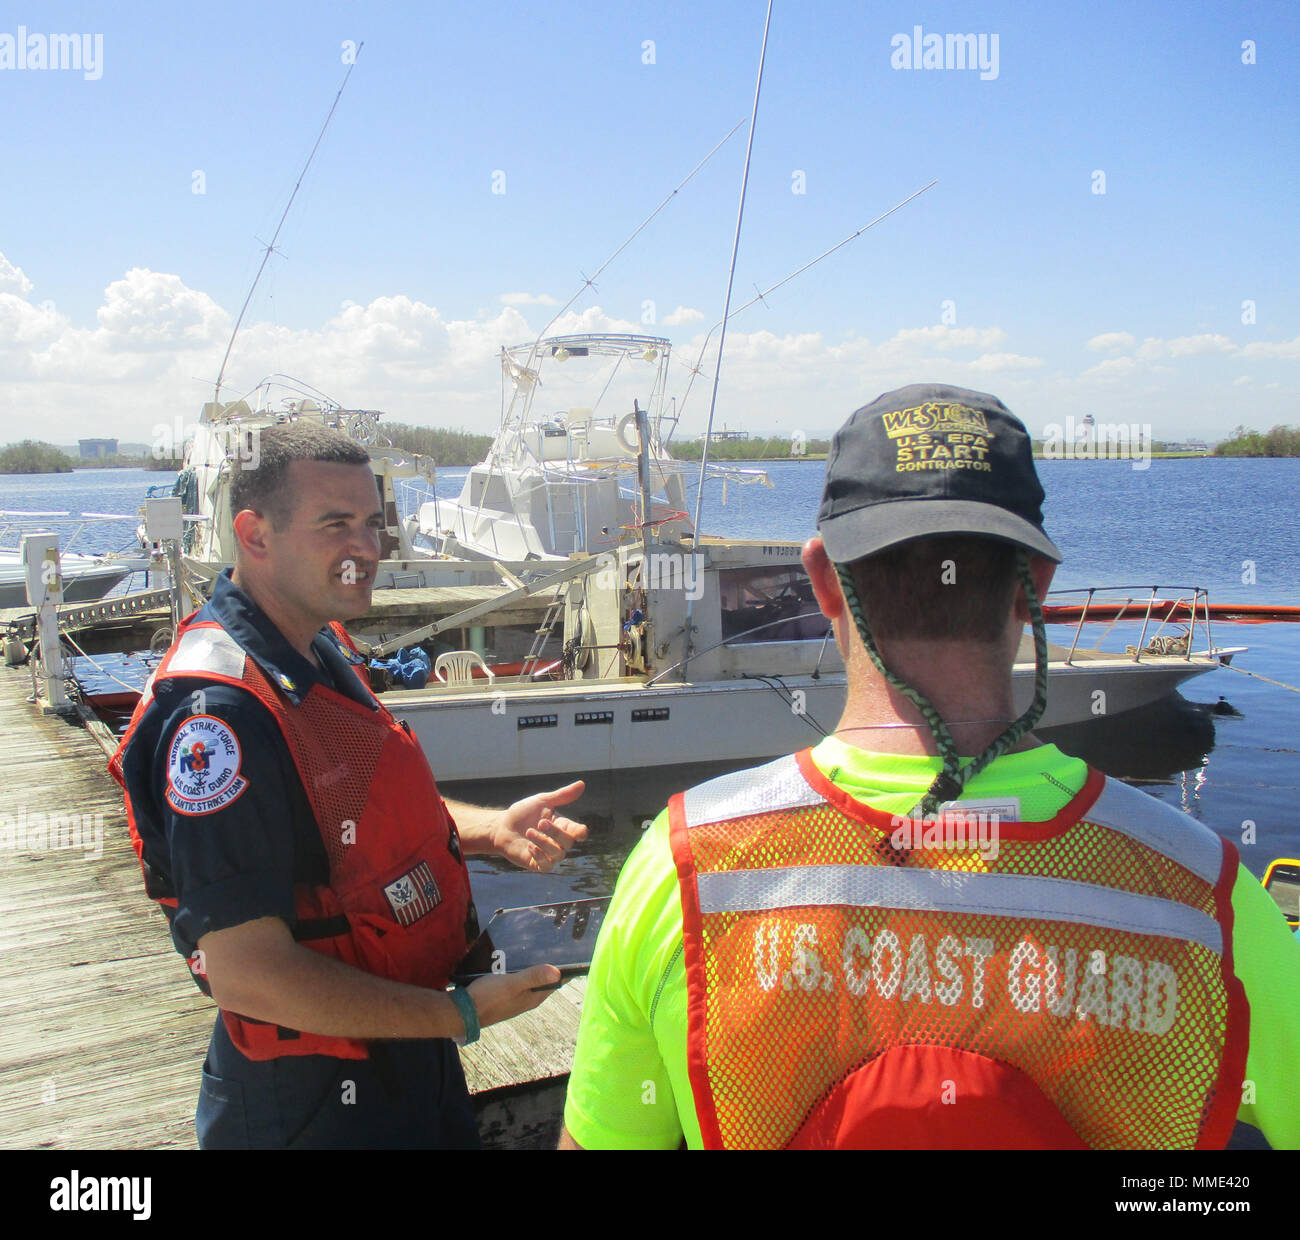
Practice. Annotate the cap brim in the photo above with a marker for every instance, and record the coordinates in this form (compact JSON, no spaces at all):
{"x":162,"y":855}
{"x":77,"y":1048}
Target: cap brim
{"x":874,"y":527}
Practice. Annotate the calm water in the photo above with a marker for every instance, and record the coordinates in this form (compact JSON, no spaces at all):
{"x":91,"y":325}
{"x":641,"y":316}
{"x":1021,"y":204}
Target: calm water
{"x":1177,"y":523}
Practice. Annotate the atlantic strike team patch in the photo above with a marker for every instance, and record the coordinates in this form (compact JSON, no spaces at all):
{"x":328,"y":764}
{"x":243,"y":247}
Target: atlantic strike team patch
{"x":413,"y":895}
{"x":203,"y":767}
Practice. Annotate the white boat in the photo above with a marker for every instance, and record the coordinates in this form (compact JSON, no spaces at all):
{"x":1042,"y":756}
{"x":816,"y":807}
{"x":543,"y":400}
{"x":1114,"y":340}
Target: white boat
{"x":763,"y":678}
{"x":583,"y":478}
{"x":226,"y":434}
{"x":85,"y":577}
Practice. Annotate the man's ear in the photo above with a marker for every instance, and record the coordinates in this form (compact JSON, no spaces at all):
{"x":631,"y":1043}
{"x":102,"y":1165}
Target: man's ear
{"x":825,"y":580}
{"x":251,"y":529}
{"x":1042,"y":570}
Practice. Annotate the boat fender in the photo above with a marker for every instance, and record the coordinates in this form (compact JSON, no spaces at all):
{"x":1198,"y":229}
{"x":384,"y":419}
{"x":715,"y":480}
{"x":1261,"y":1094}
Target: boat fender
{"x":586,"y":631}
{"x":15,"y":651}
{"x":628,"y":420}
{"x":635,"y":633}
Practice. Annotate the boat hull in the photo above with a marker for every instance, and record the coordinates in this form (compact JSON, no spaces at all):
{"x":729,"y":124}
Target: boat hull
{"x":575,"y":726}
{"x":83,"y":585}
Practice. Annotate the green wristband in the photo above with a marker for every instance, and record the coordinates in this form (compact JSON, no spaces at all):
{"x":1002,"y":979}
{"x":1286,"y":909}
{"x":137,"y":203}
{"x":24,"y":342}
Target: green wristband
{"x":469,"y":1014}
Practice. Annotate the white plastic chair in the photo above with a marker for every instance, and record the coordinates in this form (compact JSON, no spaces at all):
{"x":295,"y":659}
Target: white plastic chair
{"x":460,"y":665}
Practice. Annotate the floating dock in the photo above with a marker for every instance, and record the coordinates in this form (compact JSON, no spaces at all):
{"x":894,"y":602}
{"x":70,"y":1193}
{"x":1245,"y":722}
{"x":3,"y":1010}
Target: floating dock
{"x":101,"y":1032}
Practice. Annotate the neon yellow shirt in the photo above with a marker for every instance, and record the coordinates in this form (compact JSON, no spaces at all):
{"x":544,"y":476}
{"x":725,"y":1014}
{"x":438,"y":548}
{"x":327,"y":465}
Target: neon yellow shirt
{"x":630,"y":1088}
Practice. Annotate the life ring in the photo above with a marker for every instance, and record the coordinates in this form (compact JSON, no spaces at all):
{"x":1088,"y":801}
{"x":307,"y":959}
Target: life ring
{"x":628,"y":419}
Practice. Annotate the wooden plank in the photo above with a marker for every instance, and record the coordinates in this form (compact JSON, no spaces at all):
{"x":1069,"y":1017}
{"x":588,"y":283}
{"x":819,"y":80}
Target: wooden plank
{"x":101,"y":1032}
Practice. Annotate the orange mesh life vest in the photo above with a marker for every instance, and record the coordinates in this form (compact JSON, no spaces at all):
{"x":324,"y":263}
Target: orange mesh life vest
{"x":398,"y":900}
{"x":1074,"y":990}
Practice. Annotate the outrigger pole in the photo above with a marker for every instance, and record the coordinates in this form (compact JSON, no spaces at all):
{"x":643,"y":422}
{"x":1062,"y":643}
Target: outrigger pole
{"x":726,"y":312}
{"x":589,"y":281}
{"x":270,"y":249}
{"x":696,"y":369}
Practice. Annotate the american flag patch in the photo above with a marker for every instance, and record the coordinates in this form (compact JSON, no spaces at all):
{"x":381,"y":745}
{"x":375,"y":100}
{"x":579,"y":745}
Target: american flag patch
{"x":413,"y":895}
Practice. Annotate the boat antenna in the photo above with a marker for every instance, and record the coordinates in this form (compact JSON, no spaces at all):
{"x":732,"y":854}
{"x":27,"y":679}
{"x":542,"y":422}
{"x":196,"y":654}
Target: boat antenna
{"x":270,"y":249}
{"x":696,"y":369}
{"x":726,"y":313}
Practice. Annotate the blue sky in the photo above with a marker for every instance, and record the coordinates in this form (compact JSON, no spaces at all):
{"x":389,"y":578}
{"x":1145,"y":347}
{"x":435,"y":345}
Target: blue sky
{"x":402,"y":271}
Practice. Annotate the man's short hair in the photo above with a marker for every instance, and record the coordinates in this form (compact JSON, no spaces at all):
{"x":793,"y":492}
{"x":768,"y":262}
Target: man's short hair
{"x":947,"y":587}
{"x":261,"y":481}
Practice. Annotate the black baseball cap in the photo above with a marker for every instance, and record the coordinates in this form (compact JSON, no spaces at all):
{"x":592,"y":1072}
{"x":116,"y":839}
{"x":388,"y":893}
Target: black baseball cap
{"x":931,"y":459}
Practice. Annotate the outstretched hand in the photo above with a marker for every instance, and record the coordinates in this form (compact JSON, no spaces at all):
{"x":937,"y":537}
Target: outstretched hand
{"x":530,"y":835}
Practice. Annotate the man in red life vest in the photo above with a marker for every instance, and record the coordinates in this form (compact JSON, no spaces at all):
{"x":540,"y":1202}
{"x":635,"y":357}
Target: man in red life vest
{"x":881,"y":942}
{"x":293,"y":833}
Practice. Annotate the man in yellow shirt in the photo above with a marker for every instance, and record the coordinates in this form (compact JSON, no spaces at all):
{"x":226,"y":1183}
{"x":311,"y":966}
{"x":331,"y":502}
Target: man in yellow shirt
{"x":882,"y":942}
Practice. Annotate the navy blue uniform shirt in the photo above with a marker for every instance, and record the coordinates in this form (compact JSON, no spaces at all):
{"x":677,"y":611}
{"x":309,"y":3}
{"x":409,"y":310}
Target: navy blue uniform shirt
{"x":241,"y":861}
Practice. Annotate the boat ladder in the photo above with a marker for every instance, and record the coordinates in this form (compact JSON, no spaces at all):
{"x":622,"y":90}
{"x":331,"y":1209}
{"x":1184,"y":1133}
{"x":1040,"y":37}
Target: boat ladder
{"x":542,"y":633}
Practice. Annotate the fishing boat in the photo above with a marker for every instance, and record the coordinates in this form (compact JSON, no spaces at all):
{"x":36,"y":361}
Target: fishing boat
{"x":583,"y":478}
{"x":748,"y":672}
{"x":226,"y":436}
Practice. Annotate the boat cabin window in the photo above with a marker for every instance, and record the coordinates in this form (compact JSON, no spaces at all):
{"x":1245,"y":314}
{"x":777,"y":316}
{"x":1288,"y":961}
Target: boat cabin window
{"x":779,"y":598}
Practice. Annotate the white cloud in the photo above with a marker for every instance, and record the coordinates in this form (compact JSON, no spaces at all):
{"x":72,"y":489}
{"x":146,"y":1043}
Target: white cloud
{"x":12,"y":279}
{"x":153,"y":348}
{"x":1242,"y":381}
{"x":945,"y":338}
{"x":1005,"y":361}
{"x":150,"y":309}
{"x":26,"y":329}
{"x":528,"y":299}
{"x":1110,"y":342}
{"x":1184,"y":346}
{"x":683,"y":314}
{"x":1112,"y":368}
{"x":1288,"y":350}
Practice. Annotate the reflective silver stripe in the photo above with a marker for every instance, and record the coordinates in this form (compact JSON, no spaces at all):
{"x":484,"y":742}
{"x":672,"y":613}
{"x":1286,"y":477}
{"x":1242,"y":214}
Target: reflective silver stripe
{"x":947,"y":891}
{"x":1159,"y":826}
{"x":208,"y":650}
{"x":760,"y":790}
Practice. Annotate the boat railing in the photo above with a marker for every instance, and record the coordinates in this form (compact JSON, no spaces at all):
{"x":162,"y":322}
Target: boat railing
{"x":84,"y":525}
{"x":1189,"y":606}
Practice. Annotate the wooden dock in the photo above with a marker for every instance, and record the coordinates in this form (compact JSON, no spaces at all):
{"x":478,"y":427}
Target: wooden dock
{"x":101,"y":1032}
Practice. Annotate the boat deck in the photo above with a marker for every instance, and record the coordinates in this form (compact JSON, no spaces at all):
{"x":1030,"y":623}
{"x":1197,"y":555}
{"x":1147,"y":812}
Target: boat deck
{"x":134,"y":617}
{"x":101,"y":1032}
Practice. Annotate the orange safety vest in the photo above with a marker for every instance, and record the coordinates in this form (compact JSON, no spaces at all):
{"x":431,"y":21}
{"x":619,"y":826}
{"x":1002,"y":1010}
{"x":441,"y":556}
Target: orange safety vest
{"x":1075,"y":990}
{"x":398,"y":900}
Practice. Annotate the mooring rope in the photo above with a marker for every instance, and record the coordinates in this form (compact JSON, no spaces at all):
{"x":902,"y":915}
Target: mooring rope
{"x":1257,"y":676}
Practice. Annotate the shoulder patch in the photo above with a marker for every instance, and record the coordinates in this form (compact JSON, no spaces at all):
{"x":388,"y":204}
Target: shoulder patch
{"x":203,"y":766}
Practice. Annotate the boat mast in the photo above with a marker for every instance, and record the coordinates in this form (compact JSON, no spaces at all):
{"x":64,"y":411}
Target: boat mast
{"x":270,"y":249}
{"x":722,"y":339}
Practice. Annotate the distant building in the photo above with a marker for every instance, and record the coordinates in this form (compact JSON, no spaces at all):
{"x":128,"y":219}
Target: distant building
{"x":1192,"y":445}
{"x":723,"y":436}
{"x":96,"y":447}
